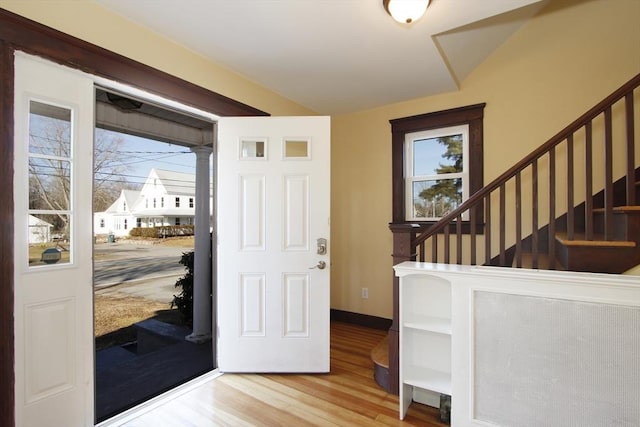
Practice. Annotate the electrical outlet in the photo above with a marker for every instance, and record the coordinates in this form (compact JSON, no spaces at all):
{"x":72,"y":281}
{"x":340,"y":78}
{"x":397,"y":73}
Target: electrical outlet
{"x":365,"y":293}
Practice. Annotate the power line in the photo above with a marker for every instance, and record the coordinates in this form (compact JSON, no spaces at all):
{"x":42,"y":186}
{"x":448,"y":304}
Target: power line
{"x":144,"y":154}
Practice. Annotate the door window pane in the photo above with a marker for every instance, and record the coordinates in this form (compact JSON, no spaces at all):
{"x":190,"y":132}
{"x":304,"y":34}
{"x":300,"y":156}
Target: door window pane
{"x":49,"y":241}
{"x":49,"y":183}
{"x":252,"y":149}
{"x":296,"y":149}
{"x":49,"y":130}
{"x":50,"y":192}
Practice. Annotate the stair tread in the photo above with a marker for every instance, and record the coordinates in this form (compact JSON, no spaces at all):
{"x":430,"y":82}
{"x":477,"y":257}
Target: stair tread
{"x":380,"y":353}
{"x":620,"y":209}
{"x":580,"y":240}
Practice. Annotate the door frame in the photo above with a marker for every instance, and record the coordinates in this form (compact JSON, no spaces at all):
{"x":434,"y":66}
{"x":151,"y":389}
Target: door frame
{"x":19,"y":33}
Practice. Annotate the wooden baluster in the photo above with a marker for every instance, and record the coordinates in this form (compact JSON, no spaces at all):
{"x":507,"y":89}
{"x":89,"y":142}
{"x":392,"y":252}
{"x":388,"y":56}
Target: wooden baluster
{"x":608,"y":176}
{"x":588,"y":166}
{"x":446,"y":243}
{"x":459,"y":239}
{"x":551,"y":265}
{"x":570,"y":204}
{"x":631,"y":173}
{"x":434,"y":248}
{"x":518,"y":195}
{"x":502,"y":257}
{"x":472,"y":235}
{"x":487,"y":229}
{"x":422,"y":256}
{"x":534,"y":213}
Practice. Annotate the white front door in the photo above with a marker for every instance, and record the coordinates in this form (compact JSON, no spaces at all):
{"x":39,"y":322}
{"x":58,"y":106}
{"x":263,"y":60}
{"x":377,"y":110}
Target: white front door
{"x":273,"y":250}
{"x":52,"y":243}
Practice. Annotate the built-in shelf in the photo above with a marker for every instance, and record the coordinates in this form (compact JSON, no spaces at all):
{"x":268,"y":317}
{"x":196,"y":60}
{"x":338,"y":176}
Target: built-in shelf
{"x":428,"y":323}
{"x":428,"y":379}
{"x":425,"y":341}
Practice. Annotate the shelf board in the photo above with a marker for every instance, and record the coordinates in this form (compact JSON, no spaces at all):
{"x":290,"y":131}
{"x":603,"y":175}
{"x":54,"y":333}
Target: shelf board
{"x":428,"y":379}
{"x":428,"y":323}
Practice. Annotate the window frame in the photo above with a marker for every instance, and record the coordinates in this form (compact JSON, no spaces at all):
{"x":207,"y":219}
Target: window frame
{"x":410,"y":178}
{"x":472,"y":116}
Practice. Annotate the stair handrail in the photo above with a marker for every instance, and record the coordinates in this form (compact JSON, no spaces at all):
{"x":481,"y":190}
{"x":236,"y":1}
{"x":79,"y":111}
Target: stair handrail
{"x":480,"y":195}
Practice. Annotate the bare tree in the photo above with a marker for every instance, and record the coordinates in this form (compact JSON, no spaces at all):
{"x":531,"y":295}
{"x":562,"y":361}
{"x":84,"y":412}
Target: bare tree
{"x":50,"y":167}
{"x":109,"y":169}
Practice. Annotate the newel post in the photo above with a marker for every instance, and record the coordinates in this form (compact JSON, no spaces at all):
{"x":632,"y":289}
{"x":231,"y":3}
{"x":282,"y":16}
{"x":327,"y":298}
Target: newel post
{"x":403,"y":250}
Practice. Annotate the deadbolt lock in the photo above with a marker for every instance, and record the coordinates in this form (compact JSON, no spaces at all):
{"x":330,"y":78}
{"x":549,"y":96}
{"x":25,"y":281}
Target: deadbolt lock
{"x":322,"y":246}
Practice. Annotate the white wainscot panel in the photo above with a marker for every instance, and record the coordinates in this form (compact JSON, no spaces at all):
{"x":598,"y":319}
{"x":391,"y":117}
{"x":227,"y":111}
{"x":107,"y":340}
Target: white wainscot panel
{"x":252,"y":212}
{"x":573,"y":361}
{"x":49,"y":349}
{"x":296,"y":304}
{"x":296,"y":213}
{"x":252,"y":304}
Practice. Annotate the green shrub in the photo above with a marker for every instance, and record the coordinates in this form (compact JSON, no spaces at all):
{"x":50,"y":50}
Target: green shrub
{"x":184,"y":300}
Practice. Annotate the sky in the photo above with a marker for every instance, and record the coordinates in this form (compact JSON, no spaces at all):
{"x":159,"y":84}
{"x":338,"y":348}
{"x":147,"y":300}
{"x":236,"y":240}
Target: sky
{"x":140,"y":155}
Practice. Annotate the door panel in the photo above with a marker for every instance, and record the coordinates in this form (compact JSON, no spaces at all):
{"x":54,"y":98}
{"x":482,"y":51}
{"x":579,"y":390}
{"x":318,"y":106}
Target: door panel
{"x":252,"y":211}
{"x":53,"y":205}
{"x":296,"y":212}
{"x":273,"y":204}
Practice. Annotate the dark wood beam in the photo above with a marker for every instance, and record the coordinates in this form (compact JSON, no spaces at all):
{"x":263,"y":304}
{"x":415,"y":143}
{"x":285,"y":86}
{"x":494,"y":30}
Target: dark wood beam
{"x":37,"y":39}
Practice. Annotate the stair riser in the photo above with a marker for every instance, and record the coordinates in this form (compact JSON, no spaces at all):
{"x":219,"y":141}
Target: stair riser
{"x":597,"y":259}
{"x":626,"y":226}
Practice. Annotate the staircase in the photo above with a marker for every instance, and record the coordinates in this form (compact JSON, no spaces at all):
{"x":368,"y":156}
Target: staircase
{"x":572,"y":204}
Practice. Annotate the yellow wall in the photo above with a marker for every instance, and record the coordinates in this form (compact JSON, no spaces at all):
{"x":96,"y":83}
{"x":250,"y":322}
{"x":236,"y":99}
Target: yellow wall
{"x":573,"y":54}
{"x":563,"y":62}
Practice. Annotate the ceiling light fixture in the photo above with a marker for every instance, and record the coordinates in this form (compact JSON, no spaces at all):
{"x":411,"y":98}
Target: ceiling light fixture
{"x":405,"y":11}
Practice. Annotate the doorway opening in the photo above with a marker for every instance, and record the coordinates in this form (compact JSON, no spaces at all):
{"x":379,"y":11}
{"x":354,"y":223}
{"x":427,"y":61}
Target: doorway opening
{"x":144,"y":248}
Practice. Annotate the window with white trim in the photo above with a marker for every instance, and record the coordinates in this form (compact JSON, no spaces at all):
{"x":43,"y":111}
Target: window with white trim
{"x":436,"y":172}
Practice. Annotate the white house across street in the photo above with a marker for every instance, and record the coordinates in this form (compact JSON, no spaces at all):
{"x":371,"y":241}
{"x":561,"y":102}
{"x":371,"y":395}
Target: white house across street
{"x":167,"y":198}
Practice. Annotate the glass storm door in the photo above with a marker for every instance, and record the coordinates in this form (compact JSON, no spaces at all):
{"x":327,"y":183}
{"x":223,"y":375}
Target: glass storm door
{"x":53,"y":245}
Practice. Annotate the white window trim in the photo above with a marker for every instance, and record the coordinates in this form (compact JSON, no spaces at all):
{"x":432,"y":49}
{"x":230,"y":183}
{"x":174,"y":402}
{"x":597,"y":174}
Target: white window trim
{"x":409,"y":179}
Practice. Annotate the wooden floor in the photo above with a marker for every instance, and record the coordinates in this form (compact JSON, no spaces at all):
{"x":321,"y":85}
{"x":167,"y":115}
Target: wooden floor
{"x":348,"y":396}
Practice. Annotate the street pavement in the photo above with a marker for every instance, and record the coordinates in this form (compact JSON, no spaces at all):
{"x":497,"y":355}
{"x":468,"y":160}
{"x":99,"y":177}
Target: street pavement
{"x":147,"y":271}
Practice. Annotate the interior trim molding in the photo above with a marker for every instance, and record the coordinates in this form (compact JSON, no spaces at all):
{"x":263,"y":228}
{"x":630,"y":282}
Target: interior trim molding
{"x":7,"y":377}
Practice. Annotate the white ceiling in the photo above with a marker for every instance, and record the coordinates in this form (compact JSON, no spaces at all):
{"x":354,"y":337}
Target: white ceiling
{"x":337,"y":56}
